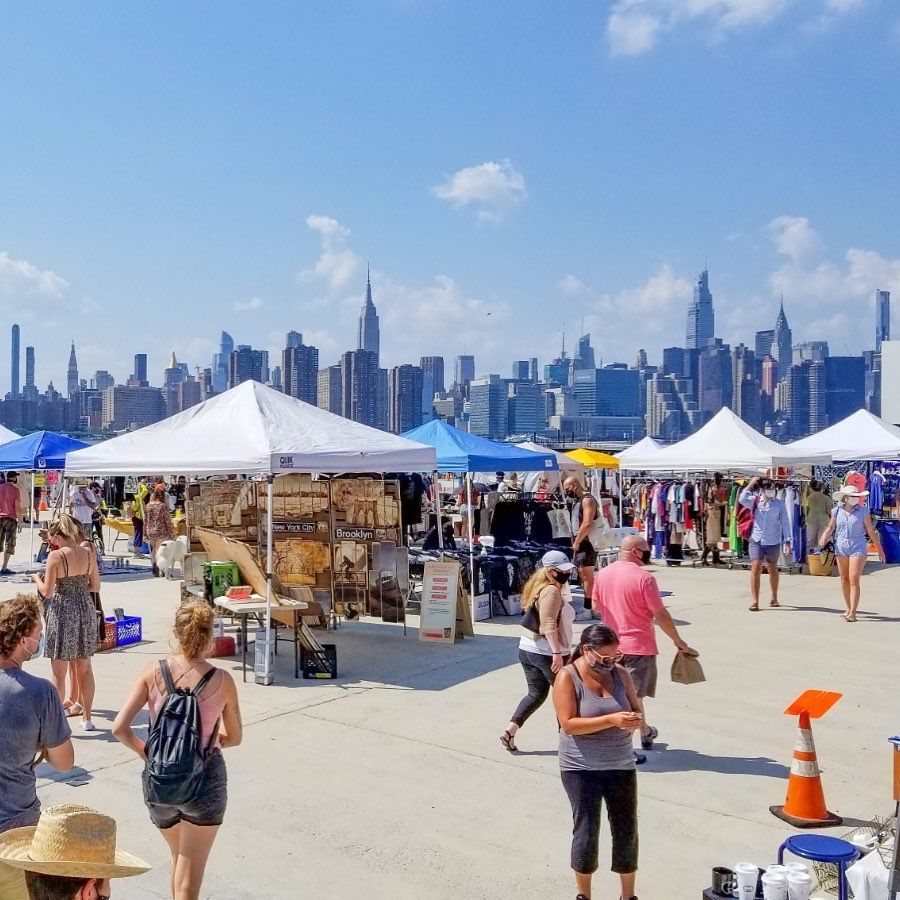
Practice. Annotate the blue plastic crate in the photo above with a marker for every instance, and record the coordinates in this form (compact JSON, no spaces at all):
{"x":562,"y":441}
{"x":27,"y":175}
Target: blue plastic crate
{"x":128,"y":630}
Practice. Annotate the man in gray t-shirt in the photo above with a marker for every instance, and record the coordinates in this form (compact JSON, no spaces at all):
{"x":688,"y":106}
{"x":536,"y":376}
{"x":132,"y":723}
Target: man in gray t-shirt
{"x":33,"y":719}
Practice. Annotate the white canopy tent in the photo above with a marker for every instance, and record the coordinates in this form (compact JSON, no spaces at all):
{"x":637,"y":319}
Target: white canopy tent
{"x":567,"y":466}
{"x":861,"y":436}
{"x":724,"y":443}
{"x":6,"y":435}
{"x":639,"y":450}
{"x":253,"y":430}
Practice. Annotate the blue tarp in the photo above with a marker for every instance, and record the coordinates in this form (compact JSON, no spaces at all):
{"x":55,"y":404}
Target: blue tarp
{"x":41,"y":450}
{"x":459,"y":451}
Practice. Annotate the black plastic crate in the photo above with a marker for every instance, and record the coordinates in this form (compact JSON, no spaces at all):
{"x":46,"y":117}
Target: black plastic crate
{"x":319,"y":665}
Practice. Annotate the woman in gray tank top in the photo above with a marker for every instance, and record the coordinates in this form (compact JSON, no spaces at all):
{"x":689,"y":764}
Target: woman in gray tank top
{"x":598,"y":709}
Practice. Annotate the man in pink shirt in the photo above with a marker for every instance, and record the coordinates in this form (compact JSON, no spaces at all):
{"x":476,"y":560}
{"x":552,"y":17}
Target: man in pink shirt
{"x":627,"y":598}
{"x":10,"y":523}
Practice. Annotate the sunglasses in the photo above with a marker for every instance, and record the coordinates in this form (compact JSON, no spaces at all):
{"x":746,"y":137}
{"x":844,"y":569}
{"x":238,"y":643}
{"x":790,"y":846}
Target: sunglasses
{"x":608,"y":660}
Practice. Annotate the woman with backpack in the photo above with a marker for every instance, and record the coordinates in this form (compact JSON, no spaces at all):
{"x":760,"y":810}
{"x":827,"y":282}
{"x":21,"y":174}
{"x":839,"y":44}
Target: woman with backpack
{"x":546,"y":639}
{"x":194,"y":715}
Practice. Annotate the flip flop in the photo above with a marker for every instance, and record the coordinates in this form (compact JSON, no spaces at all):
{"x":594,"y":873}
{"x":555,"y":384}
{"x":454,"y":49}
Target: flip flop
{"x":508,"y":740}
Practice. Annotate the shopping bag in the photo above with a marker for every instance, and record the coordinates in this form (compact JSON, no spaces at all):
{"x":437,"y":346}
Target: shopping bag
{"x":560,"y":523}
{"x":686,"y":669}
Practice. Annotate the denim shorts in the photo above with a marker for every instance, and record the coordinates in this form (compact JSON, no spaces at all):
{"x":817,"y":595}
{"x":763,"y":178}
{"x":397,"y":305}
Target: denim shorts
{"x":764,"y":552}
{"x":209,"y":806}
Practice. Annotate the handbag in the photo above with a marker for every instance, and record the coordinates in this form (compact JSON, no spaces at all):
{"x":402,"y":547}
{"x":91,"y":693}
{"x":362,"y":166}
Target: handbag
{"x":531,"y":618}
{"x":745,"y":521}
{"x":560,"y":522}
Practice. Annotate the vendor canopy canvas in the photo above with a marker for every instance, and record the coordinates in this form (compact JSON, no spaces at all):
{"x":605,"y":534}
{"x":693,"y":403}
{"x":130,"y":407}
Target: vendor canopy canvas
{"x":643,"y":447}
{"x":724,"y":442}
{"x":40,"y":450}
{"x":6,"y":435}
{"x":252,"y":430}
{"x":567,"y":465}
{"x":459,"y":451}
{"x":861,"y":436}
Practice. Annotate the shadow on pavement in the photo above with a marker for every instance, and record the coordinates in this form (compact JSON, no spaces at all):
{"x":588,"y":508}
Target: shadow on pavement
{"x":678,"y":760}
{"x":863,"y":614}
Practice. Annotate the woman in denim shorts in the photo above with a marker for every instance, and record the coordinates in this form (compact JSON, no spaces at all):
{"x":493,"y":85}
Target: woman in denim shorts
{"x":190,"y":829}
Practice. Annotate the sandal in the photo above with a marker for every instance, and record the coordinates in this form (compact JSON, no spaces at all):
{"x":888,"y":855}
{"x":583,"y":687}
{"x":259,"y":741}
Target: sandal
{"x":648,"y":739}
{"x":851,"y":618}
{"x":75,"y":709}
{"x":774,"y":604}
{"x":508,"y":741}
{"x":754,"y":608}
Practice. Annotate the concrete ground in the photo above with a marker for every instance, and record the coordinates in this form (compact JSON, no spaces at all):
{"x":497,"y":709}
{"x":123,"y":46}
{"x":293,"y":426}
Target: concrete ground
{"x":391,"y":782}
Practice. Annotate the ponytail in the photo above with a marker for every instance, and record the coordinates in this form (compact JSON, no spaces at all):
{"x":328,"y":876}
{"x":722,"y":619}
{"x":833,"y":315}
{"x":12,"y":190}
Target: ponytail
{"x":65,"y":526}
{"x":593,"y":638}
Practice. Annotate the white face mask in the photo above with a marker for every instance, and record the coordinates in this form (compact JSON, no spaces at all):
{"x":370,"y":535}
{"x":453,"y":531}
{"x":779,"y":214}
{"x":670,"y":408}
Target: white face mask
{"x":851,"y":501}
{"x":769,"y":492}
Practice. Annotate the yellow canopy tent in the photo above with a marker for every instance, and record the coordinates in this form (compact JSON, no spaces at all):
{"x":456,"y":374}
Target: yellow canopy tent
{"x":594,"y":459}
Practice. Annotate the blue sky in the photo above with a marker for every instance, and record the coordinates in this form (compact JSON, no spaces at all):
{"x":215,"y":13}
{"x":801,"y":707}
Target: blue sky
{"x":169,"y":170}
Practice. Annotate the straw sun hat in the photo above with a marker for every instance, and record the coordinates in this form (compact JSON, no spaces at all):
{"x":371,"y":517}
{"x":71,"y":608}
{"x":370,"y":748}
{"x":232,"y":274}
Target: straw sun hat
{"x":849,"y":490}
{"x":70,"y":840}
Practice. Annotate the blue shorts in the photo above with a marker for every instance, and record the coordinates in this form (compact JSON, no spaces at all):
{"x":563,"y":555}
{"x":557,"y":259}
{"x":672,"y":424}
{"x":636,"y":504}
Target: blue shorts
{"x":761,"y":553}
{"x":851,"y":547}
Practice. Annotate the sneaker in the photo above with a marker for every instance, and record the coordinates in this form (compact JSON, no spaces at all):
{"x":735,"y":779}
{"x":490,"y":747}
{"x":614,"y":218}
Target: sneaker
{"x":648,"y":739}
{"x":639,"y":758}
{"x":88,"y":726}
{"x":7,"y":572}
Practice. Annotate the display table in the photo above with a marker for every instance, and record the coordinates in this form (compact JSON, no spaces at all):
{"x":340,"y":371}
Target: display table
{"x":286,"y":613}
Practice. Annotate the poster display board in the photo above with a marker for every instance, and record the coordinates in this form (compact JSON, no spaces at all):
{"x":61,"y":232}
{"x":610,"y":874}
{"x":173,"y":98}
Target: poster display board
{"x":440,"y":588}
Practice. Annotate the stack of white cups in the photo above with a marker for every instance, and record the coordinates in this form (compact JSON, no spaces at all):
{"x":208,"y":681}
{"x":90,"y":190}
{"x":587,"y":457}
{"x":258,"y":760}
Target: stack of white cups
{"x":747,"y":874}
{"x":788,"y":882}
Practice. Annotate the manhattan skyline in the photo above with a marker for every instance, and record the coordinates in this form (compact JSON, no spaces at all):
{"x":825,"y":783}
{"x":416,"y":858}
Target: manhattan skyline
{"x":576,"y":169}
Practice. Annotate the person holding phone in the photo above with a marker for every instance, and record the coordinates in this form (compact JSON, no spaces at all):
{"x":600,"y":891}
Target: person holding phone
{"x":598,"y":711}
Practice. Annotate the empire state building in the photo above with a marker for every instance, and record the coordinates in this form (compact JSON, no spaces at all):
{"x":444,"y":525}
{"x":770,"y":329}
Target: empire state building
{"x":368,"y":336}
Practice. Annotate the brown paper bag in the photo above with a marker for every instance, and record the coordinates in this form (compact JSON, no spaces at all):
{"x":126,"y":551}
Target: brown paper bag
{"x":686,"y":669}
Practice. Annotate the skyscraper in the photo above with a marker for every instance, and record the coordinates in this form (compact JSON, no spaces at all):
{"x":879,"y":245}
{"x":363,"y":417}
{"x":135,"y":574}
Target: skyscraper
{"x":764,"y":343}
{"x":14,"y":374}
{"x":746,"y":399}
{"x":673,"y":361}
{"x":30,"y":387}
{"x":701,"y":321}
{"x":488,"y":407}
{"x":359,"y":386}
{"x":882,"y":318}
{"x":617,"y":391}
{"x":300,"y":371}
{"x":405,"y":398}
{"x":139,"y":378}
{"x":329,"y":394}
{"x":247,"y":364}
{"x":845,"y":386}
{"x":368,"y":337}
{"x":293,"y":339}
{"x":433,"y":369}
{"x":72,"y":373}
{"x":584,"y":355}
{"x":716,"y":389}
{"x":463,"y":374}
{"x":221,"y":362}
{"x":521,"y":370}
{"x":782,"y":346}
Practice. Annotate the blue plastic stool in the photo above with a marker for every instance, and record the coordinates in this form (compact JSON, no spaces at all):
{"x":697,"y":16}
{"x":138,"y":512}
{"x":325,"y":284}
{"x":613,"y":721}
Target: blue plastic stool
{"x":824,"y":849}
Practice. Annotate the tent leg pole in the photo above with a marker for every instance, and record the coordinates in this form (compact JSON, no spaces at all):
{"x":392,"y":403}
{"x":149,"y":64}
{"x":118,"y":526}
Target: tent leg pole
{"x":621,"y":511}
{"x":269,"y":676}
{"x":438,"y":514}
{"x":469,"y":517}
{"x":31,"y":518}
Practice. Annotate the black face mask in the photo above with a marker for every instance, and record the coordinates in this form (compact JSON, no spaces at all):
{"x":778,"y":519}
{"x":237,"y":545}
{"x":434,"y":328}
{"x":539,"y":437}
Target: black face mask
{"x":645,"y":557}
{"x":561,"y":577}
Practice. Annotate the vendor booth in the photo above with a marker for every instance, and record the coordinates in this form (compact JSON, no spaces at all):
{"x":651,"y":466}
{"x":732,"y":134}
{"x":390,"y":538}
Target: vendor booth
{"x":605,"y":483}
{"x":41,"y":452}
{"x":676,"y":500}
{"x":461,"y":453}
{"x":6,"y":435}
{"x":255,"y":431}
{"x":646,"y":445}
{"x":867,"y":444}
{"x":567,"y":466}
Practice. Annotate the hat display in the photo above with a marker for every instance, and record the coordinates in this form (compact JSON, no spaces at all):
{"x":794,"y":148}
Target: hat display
{"x":70,"y":840}
{"x":556,"y":559}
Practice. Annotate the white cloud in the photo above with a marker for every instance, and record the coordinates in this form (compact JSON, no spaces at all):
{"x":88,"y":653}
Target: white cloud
{"x":336,"y":264}
{"x":572,"y":285}
{"x":492,"y":189}
{"x":635,"y":26}
{"x":794,"y":237}
{"x":18,"y":277}
{"x":250,"y":305}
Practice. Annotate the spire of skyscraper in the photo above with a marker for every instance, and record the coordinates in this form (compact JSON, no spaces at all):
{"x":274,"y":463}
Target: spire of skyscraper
{"x":368,"y":337}
{"x":783,"y":345}
{"x":72,"y":373}
{"x":14,"y":374}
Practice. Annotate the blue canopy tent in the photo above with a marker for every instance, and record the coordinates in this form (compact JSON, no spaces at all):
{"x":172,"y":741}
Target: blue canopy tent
{"x":38,"y":452}
{"x":464,"y":453}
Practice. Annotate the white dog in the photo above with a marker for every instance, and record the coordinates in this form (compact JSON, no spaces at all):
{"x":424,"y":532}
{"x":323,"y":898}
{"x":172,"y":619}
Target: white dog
{"x":169,"y":553}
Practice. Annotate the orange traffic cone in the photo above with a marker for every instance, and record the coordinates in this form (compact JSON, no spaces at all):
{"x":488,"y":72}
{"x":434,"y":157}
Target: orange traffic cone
{"x":805,"y":803}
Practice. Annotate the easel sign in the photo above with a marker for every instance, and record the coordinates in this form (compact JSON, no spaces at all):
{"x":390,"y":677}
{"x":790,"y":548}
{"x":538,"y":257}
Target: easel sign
{"x":440,"y":588}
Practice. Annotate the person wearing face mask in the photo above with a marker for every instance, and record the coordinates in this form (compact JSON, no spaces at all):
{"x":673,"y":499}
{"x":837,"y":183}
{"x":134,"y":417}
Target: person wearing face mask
{"x":627,"y":598}
{"x":33,"y":725}
{"x":771,"y":532}
{"x":852,"y":529}
{"x":585,"y":510}
{"x":543,"y":653}
{"x":598,"y":710}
